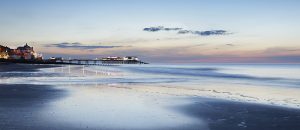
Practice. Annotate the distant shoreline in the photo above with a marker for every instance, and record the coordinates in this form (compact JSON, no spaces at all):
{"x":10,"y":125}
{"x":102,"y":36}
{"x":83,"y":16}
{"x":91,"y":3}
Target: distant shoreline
{"x":29,"y":61}
{"x":8,"y":67}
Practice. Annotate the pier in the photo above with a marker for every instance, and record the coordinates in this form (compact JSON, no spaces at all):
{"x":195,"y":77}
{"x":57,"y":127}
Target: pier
{"x":73,"y":61}
{"x":97,"y":62}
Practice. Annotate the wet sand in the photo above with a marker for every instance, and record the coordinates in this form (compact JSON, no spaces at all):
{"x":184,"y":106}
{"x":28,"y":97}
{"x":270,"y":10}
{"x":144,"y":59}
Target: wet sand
{"x":230,"y":115}
{"x":46,"y":107}
{"x":20,"y":105}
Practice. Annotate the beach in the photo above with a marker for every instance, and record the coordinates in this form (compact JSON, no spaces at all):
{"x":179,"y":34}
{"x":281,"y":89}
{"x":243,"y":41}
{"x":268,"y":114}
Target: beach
{"x":149,"y":97}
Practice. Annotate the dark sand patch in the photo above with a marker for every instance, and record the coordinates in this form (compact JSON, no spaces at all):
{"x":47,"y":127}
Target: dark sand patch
{"x":229,"y":115}
{"x":21,"y":105}
{"x":8,"y":70}
{"x":8,"y":67}
{"x":25,"y":95}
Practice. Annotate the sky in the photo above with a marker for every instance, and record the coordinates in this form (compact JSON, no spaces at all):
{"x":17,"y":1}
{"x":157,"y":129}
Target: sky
{"x":174,"y":31}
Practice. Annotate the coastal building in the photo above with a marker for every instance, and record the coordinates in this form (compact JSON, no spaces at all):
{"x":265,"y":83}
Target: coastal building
{"x":4,"y":52}
{"x":21,"y":53}
{"x":26,"y":52}
{"x":3,"y":55}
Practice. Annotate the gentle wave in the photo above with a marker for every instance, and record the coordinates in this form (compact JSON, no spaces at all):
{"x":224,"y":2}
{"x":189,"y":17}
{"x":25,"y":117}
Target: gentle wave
{"x":213,"y":73}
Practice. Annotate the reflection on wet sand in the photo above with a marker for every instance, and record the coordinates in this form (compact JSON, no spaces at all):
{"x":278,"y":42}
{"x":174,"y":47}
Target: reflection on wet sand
{"x":117,"y":107}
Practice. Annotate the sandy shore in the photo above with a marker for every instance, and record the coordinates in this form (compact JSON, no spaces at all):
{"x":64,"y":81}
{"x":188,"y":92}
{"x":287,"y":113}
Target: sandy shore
{"x":22,"y":107}
{"x":128,"y":107}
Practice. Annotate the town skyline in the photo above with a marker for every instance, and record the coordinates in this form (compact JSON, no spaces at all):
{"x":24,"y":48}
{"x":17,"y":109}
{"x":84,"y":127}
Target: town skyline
{"x":197,"y":31}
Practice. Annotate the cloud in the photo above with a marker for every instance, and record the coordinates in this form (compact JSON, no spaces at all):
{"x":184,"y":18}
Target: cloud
{"x":77,"y":45}
{"x":204,"y":33}
{"x":160,"y":28}
{"x":211,"y":32}
{"x":184,"y":31}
